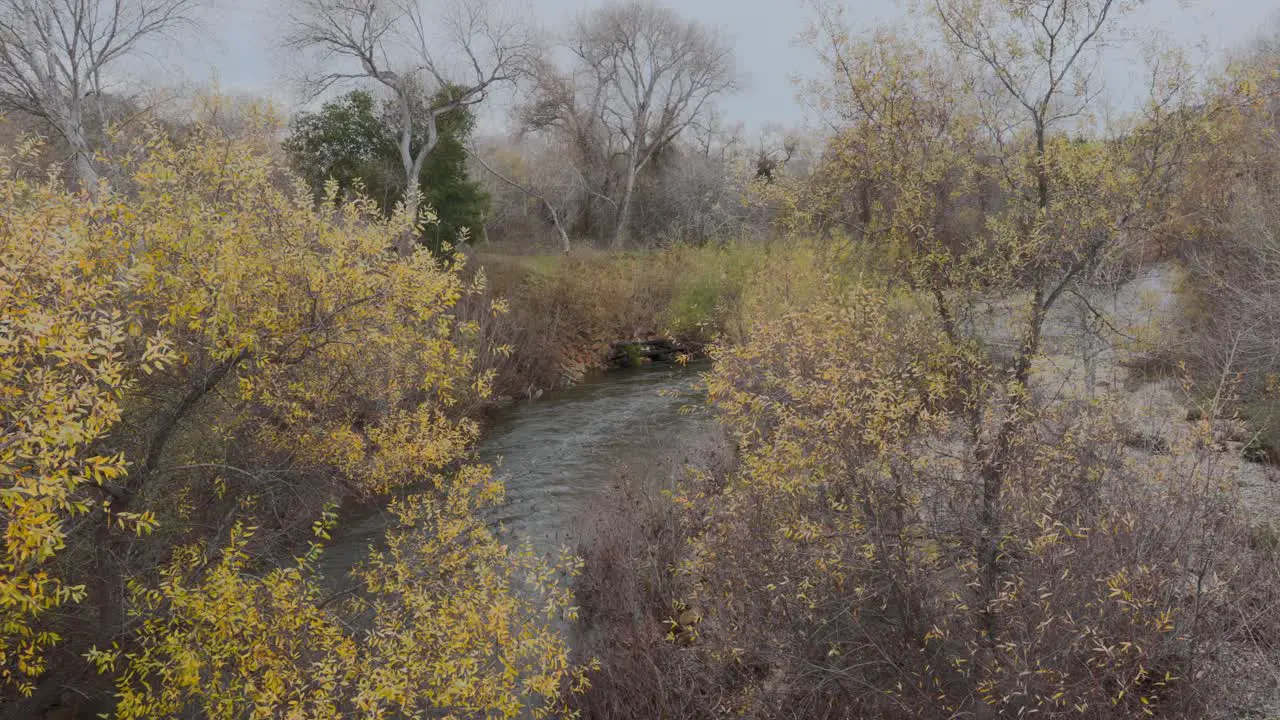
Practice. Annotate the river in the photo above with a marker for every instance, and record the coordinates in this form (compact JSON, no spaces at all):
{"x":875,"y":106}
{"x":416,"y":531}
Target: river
{"x":558,"y":454}
{"x":565,"y":451}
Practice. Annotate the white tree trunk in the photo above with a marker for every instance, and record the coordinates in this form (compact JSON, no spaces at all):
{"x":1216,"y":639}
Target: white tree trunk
{"x":565,"y":246}
{"x":412,"y":162}
{"x":406,"y":141}
{"x":86,"y":174}
{"x":624,"y":208}
{"x":72,"y":127}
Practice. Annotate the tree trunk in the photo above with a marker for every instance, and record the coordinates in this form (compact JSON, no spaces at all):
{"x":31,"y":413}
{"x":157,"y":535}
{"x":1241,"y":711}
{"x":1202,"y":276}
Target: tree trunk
{"x":1042,"y":172}
{"x":993,"y":458}
{"x":565,"y":246}
{"x":624,"y":210}
{"x":109,"y":577}
{"x":406,"y":140}
{"x":86,"y":175}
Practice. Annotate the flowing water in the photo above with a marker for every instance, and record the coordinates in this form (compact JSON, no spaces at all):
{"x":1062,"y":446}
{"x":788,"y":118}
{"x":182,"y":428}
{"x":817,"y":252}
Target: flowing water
{"x":558,"y":454}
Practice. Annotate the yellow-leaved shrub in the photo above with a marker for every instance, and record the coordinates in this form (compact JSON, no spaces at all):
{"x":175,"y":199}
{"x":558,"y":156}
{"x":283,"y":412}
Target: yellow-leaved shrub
{"x":444,"y":620}
{"x":298,"y":360}
{"x":68,"y":353}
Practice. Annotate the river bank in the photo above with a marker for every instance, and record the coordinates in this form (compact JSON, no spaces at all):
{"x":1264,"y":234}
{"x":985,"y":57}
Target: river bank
{"x":592,"y":359}
{"x":565,"y":316}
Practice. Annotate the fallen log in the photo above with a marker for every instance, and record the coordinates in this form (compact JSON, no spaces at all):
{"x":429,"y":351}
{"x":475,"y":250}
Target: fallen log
{"x":626,"y":353}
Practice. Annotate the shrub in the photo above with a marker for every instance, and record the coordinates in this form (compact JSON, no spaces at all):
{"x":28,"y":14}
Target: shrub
{"x":69,"y":352}
{"x":295,"y":361}
{"x":844,"y":557}
{"x":634,"y":624}
{"x":566,"y":312}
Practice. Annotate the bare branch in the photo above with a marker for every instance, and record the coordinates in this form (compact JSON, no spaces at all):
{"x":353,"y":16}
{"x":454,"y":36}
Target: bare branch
{"x":642,"y":76}
{"x":551,"y":208}
{"x":432,"y":60}
{"x":54,"y":53}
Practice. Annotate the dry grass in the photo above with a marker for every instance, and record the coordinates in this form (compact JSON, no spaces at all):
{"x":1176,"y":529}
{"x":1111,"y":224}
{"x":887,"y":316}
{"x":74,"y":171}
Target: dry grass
{"x":566,"y":311}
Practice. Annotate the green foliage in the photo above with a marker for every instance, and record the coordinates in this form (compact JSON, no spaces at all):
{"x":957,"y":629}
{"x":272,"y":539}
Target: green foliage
{"x":708,"y":282}
{"x":354,"y":140}
{"x":460,"y":203}
{"x":349,"y":142}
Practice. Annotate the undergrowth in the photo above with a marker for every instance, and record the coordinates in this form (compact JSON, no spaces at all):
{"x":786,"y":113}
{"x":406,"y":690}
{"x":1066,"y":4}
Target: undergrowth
{"x":566,"y":311}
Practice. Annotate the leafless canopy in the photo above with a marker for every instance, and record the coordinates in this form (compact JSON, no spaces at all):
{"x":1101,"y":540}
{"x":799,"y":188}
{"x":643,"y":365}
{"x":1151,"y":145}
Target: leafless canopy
{"x":641,"y":75}
{"x":658,"y":71}
{"x":54,"y":53}
{"x":1043,"y":53}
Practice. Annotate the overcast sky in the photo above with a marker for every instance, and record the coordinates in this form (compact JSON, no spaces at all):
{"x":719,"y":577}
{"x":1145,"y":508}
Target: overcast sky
{"x":238,"y":44}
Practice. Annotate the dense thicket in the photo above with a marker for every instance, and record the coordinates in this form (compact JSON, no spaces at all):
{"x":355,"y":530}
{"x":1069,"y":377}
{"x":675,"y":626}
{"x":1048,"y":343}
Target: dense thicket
{"x":195,"y":374}
{"x":968,"y":478}
{"x":939,"y":511}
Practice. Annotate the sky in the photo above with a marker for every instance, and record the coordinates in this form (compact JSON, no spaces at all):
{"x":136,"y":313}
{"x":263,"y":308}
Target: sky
{"x":237,"y":45}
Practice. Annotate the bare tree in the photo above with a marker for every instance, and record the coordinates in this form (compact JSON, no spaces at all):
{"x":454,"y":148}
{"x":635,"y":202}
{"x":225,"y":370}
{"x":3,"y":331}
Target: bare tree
{"x":529,"y":190}
{"x":1042,"y":53}
{"x":54,"y":54}
{"x":694,"y":194}
{"x":431,"y":60}
{"x":641,"y":76}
